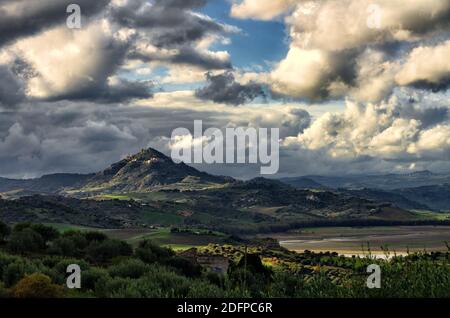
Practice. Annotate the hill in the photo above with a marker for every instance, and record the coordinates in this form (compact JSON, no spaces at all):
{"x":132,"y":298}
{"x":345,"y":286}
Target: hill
{"x":47,"y":184}
{"x":148,"y":188}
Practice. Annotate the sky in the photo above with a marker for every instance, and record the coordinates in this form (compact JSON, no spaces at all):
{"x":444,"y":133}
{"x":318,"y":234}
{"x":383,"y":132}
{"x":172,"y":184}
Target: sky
{"x":355,"y":86}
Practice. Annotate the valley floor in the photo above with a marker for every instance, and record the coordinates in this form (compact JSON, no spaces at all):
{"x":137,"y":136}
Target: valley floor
{"x":358,"y":240}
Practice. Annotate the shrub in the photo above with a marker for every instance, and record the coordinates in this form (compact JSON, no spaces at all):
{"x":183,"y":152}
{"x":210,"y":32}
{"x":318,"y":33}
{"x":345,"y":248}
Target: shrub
{"x":19,"y":227}
{"x":4,"y":231}
{"x":3,"y":291}
{"x":65,"y":247}
{"x":36,"y":286}
{"x":17,"y":269}
{"x":95,"y":236}
{"x":158,"y":282}
{"x":78,"y":239}
{"x":26,"y":241}
{"x":91,"y":277}
{"x":149,"y":252}
{"x":201,"y":289}
{"x":102,"y":252}
{"x":61,"y":266}
{"x":184,"y":266}
{"x":47,"y":233}
{"x":128,"y":269}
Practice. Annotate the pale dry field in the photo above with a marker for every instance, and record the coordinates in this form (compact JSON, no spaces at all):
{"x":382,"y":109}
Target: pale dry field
{"x":357,"y":241}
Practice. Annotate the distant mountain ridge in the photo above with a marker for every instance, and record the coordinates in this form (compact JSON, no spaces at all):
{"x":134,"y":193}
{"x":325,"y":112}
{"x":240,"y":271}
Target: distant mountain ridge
{"x":150,"y":170}
{"x":421,"y":190}
{"x":140,"y":172}
{"x":51,"y":183}
{"x":146,"y":170}
{"x":149,"y":188}
{"x":383,"y":182}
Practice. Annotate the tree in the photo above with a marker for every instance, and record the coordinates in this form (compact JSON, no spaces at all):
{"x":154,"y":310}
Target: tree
{"x":95,"y":236}
{"x":4,"y":231}
{"x":48,"y":233}
{"x":36,"y":286}
{"x":105,"y":251}
{"x":149,"y":252}
{"x":26,"y":241}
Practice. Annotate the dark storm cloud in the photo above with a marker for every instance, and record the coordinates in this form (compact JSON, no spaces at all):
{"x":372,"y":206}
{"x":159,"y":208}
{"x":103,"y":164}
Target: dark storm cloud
{"x":427,"y":115}
{"x":118,"y":92}
{"x":78,"y":137}
{"x":223,"y":88}
{"x":170,"y":23}
{"x":441,"y":86}
{"x":28,"y":17}
{"x":11,"y":88}
{"x":84,"y":137}
{"x":188,"y":56}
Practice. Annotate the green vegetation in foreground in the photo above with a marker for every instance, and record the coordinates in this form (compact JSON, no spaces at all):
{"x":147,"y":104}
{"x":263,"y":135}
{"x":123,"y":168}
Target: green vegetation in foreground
{"x":34,"y":259}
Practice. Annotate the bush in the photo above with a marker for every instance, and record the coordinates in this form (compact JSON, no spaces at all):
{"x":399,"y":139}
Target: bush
{"x":158,"y":282}
{"x":47,"y":233}
{"x":36,"y":286}
{"x":91,"y":278}
{"x":61,"y":266}
{"x":95,"y":236}
{"x":26,"y":241}
{"x":4,"y":231}
{"x":65,"y":247}
{"x":149,"y":252}
{"x":184,"y":266}
{"x":78,"y":239}
{"x":3,"y":291}
{"x":102,"y":252}
{"x":201,"y":289}
{"x":17,"y":269}
{"x":19,"y":227}
{"x":132,"y":268}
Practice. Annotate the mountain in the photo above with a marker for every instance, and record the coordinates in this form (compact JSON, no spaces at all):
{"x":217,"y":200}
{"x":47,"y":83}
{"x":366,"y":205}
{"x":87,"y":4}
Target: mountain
{"x":47,"y":184}
{"x":421,"y":190}
{"x":145,"y":171}
{"x":148,"y":188}
{"x":437,"y":197}
{"x":303,"y":183}
{"x":383,"y":182}
{"x":394,"y":197}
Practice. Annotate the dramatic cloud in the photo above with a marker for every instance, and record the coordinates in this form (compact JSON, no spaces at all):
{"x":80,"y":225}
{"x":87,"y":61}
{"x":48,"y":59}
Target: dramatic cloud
{"x":169,"y":23}
{"x":11,"y":89}
{"x":79,"y":65}
{"x":83,"y":137}
{"x":52,"y":62}
{"x":342,"y":48}
{"x":357,"y":85}
{"x":172,"y":33}
{"x":427,"y":67}
{"x":398,"y":130}
{"x":223,"y":88}
{"x":21,"y":18}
